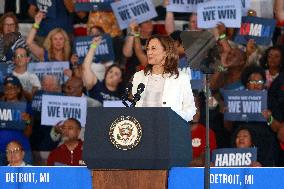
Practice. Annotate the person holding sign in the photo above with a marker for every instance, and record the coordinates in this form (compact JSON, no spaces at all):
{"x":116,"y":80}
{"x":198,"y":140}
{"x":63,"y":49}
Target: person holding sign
{"x":108,"y":89}
{"x":164,"y":85}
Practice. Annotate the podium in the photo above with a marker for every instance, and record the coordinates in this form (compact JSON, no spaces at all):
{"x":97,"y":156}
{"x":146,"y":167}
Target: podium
{"x":134,"y":147}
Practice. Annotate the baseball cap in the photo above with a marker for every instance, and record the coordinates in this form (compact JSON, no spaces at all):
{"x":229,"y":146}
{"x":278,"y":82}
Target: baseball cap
{"x":13,"y":80}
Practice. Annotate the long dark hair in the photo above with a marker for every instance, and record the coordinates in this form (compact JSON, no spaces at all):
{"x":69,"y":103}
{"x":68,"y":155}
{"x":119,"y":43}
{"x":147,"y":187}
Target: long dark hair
{"x":172,"y":58}
{"x":264,"y":59}
{"x":240,"y":128}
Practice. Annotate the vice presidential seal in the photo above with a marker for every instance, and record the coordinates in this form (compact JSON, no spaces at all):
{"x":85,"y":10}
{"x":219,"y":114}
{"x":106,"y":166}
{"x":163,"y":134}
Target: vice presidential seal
{"x":125,"y":132}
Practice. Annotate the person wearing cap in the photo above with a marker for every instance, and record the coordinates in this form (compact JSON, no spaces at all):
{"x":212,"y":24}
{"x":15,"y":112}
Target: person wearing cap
{"x":70,"y":152}
{"x":13,"y":93}
{"x":29,"y":81}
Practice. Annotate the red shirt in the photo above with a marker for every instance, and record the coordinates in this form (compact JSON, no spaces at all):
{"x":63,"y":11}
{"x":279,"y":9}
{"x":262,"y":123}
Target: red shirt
{"x":199,"y":140}
{"x":62,"y":155}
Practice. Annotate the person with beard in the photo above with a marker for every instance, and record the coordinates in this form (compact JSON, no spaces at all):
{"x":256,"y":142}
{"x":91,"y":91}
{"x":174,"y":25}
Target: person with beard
{"x":70,"y":152}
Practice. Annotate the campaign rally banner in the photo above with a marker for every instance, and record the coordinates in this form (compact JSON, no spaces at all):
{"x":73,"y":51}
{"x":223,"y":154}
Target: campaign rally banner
{"x":37,"y":99}
{"x":11,"y":115}
{"x":3,"y":74}
{"x":228,"y":178}
{"x":92,"y":5}
{"x":245,"y":105}
{"x":234,"y":157}
{"x":245,"y":6}
{"x":183,"y":5}
{"x":104,"y":52}
{"x":211,"y":13}
{"x":55,"y":109}
{"x":128,"y":10}
{"x":39,"y":177}
{"x":259,"y":29}
{"x":47,"y":6}
{"x":197,"y":79}
{"x":49,"y":68}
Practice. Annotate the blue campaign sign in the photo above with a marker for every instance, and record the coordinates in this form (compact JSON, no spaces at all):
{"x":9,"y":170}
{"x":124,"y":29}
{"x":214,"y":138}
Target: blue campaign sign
{"x":3,"y":74}
{"x":49,"y":68}
{"x":229,"y":178}
{"x":197,"y":79}
{"x":259,"y":29}
{"x":45,"y":177}
{"x":104,"y":51}
{"x":47,"y":6}
{"x":245,"y":105}
{"x":11,"y":115}
{"x":234,"y":157}
{"x":37,"y":99}
{"x":89,"y":5}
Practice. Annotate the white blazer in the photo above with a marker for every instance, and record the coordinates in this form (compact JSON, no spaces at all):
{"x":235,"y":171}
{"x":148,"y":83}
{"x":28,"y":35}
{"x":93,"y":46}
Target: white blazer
{"x":177,"y":93}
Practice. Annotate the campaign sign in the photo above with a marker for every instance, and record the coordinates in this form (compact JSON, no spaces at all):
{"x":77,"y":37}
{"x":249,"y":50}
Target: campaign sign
{"x":211,"y":13}
{"x":234,"y":157}
{"x":245,"y":7}
{"x":128,"y":10}
{"x":91,"y":5}
{"x":49,"y":68}
{"x":3,"y":74}
{"x":227,"y":178}
{"x":55,"y":109}
{"x":183,"y":5}
{"x":245,"y":105}
{"x":40,"y":177}
{"x":11,"y":115}
{"x":259,"y":29}
{"x":197,"y":79}
{"x":104,"y":52}
{"x":48,"y":7}
{"x":37,"y":99}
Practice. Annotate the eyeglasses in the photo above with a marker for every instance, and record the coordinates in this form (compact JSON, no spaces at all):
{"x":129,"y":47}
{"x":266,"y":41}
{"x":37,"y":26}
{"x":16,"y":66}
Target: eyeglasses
{"x":13,"y":151}
{"x":10,"y":25}
{"x":256,"y":82}
{"x":18,"y":56}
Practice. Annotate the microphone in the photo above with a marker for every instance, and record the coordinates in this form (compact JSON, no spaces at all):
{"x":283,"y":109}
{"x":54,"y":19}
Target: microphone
{"x":137,"y":96}
{"x":125,"y":96}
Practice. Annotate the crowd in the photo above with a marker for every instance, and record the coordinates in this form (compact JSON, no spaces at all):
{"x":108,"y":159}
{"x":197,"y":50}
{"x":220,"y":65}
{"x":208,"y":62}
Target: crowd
{"x":244,"y":67}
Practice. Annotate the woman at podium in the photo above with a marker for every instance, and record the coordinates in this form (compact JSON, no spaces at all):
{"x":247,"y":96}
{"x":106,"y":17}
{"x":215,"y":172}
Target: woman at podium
{"x":160,"y":84}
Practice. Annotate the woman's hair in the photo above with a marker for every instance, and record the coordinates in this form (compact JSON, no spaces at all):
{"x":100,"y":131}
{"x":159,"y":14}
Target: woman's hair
{"x":172,"y":58}
{"x":121,"y":84}
{"x":240,"y":128}
{"x":8,"y":15}
{"x":264,"y":59}
{"x":48,"y":44}
{"x":252,"y":69}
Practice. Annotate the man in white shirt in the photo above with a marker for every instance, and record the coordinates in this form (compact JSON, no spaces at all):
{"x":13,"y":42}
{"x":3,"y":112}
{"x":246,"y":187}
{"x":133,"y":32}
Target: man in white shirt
{"x":29,"y":81}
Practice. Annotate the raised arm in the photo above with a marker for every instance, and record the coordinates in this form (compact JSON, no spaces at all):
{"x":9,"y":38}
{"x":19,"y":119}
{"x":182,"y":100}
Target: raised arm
{"x":89,"y":77}
{"x":34,"y":48}
{"x":279,"y":10}
{"x":129,"y":42}
{"x":139,"y":52}
{"x":169,"y":21}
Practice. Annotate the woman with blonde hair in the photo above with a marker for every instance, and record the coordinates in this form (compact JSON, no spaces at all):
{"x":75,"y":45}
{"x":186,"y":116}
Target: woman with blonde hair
{"x":56,"y":45}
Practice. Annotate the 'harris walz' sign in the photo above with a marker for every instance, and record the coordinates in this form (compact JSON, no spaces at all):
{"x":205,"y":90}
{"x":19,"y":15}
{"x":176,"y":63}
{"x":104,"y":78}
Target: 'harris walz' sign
{"x":104,"y":51}
{"x":91,"y":5}
{"x":259,"y":29}
{"x":11,"y":115}
{"x":49,"y":68}
{"x":234,"y":157}
{"x":245,"y":105}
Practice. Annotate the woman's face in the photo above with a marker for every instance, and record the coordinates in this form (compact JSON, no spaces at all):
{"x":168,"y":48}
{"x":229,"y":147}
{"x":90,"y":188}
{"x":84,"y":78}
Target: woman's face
{"x":156,"y":54}
{"x":243,"y":139}
{"x":11,"y":92}
{"x":9,"y":25}
{"x":274,"y":58}
{"x":58,"y":41}
{"x":113,"y":76}
{"x":15,"y":154}
{"x":255,"y":82}
{"x":193,"y":22}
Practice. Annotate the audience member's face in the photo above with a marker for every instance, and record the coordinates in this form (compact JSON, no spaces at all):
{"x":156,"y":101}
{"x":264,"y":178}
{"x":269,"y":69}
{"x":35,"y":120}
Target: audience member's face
{"x":274,"y":58}
{"x":57,"y":41}
{"x":255,"y":82}
{"x":70,"y":130}
{"x":235,"y":57}
{"x":146,"y":27}
{"x":95,"y":31}
{"x":11,"y":92}
{"x":9,"y":25}
{"x":15,"y":154}
{"x":243,"y":139}
{"x":73,"y":87}
{"x":21,"y":58}
{"x":156,"y":54}
{"x":179,"y":48}
{"x":50,"y":84}
{"x":193,"y":22}
{"x":113,"y":76}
